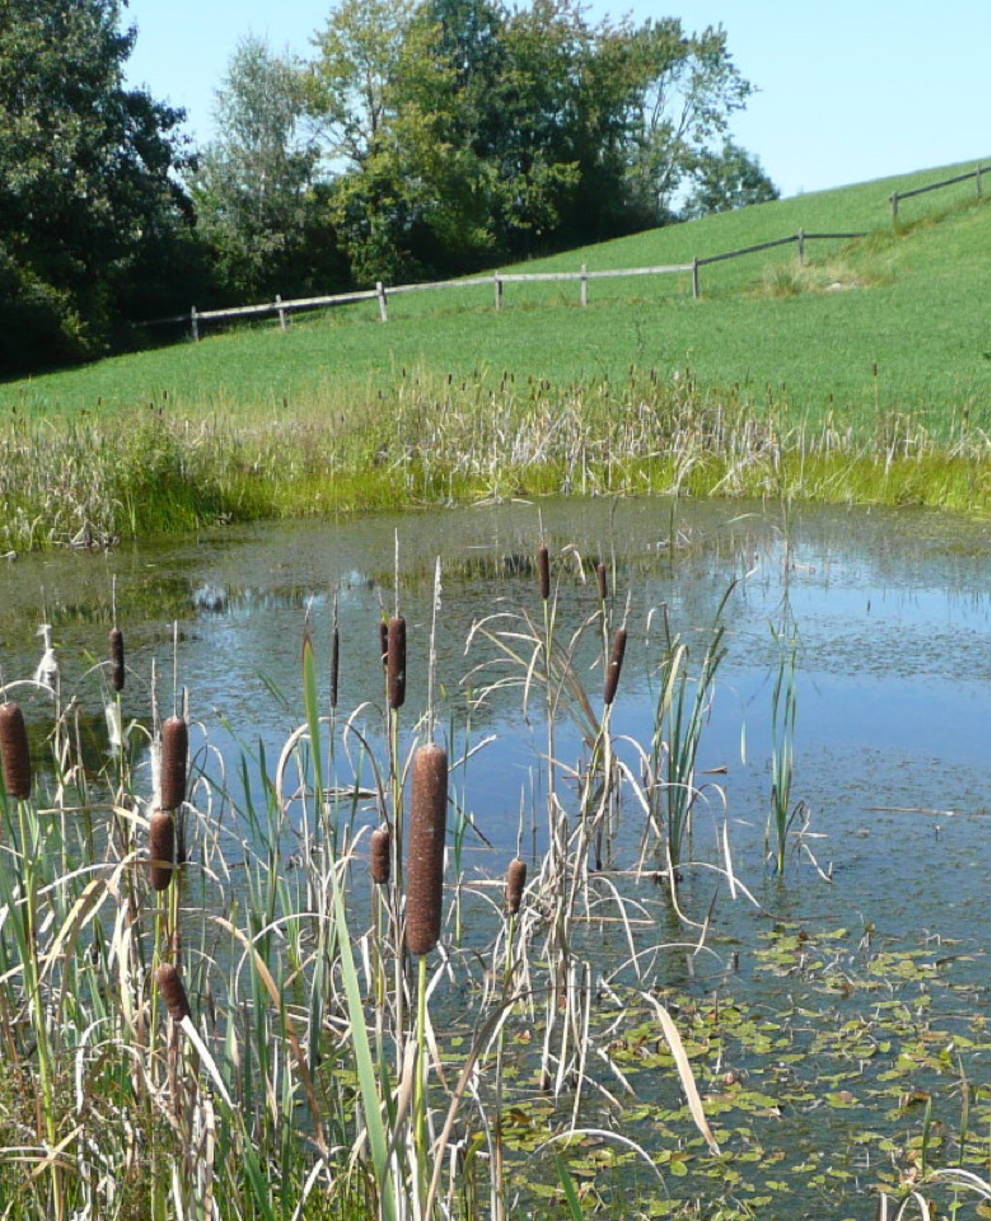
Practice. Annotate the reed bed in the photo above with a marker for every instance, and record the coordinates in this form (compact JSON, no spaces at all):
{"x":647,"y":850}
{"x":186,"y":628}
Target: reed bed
{"x":245,"y":988}
{"x":170,"y":468}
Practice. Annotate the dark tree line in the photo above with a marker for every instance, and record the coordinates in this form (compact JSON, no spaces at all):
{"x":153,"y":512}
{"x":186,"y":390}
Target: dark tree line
{"x":424,"y":137}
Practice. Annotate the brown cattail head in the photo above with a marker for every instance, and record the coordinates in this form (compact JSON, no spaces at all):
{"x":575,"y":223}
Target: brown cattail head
{"x":173,"y":992}
{"x":515,"y":882}
{"x":14,"y":751}
{"x":117,"y":659}
{"x":335,"y":666}
{"x":161,"y":848}
{"x":175,"y":748}
{"x":615,"y":665}
{"x":384,"y":641}
{"x":602,"y":578}
{"x":425,"y":866}
{"x":381,"y":856}
{"x":396,"y":661}
{"x":544,"y":571}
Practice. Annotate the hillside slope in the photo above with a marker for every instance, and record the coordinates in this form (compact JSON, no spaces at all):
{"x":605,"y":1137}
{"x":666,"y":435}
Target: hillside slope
{"x":892,"y":321}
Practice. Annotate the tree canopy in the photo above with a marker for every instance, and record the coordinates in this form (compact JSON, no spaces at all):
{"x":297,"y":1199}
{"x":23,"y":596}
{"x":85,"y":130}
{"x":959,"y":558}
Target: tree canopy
{"x":90,"y":214}
{"x":422,"y":137}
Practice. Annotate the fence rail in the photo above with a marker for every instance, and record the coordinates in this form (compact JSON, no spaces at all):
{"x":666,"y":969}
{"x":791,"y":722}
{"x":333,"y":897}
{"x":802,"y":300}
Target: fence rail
{"x":382,"y":292}
{"x":896,"y":196}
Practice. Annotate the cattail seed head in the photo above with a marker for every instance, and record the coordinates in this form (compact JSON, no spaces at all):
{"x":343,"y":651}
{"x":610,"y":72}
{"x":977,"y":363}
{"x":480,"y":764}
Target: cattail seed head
{"x":425,"y":866}
{"x":116,"y":659}
{"x":515,"y":883}
{"x":14,"y":751}
{"x":602,"y":578}
{"x":396,"y":661}
{"x":544,"y":570}
{"x":615,"y":665}
{"x":175,"y":748}
{"x":335,"y":666}
{"x":381,"y":856}
{"x":161,"y":848}
{"x":173,"y":992}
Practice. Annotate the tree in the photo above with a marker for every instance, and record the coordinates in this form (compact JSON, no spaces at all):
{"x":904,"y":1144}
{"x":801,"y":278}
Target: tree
{"x":726,"y":180}
{"x":88,"y":200}
{"x":256,"y":202}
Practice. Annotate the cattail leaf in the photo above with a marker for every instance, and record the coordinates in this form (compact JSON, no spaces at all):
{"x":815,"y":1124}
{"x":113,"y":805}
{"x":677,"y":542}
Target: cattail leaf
{"x":311,"y":703}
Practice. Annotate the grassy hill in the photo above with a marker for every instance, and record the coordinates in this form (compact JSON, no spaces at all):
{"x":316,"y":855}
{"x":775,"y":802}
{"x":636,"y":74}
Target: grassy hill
{"x":909,"y":304}
{"x":780,"y":380}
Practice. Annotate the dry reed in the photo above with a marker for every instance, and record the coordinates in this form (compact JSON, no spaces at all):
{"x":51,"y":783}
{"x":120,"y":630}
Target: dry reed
{"x":14,"y":751}
{"x":425,"y":867}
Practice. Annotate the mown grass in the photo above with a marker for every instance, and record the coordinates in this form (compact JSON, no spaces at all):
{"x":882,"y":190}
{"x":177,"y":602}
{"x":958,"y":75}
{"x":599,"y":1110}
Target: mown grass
{"x":874,"y":338}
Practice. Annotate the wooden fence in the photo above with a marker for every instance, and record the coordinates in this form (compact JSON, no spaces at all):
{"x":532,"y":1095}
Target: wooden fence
{"x":976,"y":174}
{"x":498,"y":280}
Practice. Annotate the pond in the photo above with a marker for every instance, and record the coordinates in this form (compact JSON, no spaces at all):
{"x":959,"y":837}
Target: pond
{"x":835,"y":1017}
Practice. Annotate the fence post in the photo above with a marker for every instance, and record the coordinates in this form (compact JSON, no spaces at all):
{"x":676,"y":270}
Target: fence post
{"x":194,"y":326}
{"x":894,"y":205}
{"x":282,"y":312}
{"x":980,"y":186}
{"x":584,"y":285}
{"x":498,"y":291}
{"x":695,"y":278}
{"x":383,"y":309}
{"x":801,"y":247}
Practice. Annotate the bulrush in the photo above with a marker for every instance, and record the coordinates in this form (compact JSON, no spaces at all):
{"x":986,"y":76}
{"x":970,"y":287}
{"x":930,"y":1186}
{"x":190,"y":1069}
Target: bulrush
{"x":175,"y":748}
{"x":615,"y":665}
{"x":335,"y":666}
{"x":515,"y":884}
{"x":14,"y":751}
{"x":161,"y":847}
{"x":396,"y":661}
{"x":425,"y":866}
{"x":173,"y":992}
{"x":381,"y":863}
{"x":117,"y":659}
{"x":601,"y":577}
{"x":544,"y":570}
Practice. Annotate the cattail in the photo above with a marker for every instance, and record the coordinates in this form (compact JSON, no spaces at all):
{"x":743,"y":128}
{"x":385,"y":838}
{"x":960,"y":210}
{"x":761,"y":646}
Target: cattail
{"x":544,"y":569}
{"x":515,"y":882}
{"x":425,"y":867}
{"x":175,"y":747}
{"x":615,"y":665}
{"x":381,"y":856}
{"x":161,"y":846}
{"x":396,"y":661}
{"x":335,"y":666}
{"x":14,"y":751}
{"x":117,"y":659}
{"x":173,"y":992}
{"x":600,"y":572}
{"x":384,"y":641}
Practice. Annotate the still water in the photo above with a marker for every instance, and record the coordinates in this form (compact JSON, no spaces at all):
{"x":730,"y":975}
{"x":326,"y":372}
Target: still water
{"x":888,"y":614}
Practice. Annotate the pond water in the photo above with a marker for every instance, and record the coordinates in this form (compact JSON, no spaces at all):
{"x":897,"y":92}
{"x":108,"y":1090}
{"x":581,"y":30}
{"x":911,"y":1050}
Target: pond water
{"x":889,"y":616}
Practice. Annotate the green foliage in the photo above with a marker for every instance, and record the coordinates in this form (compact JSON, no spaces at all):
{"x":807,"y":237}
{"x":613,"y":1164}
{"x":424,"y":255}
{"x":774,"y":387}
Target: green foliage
{"x":253,"y":188}
{"x":729,"y":179}
{"x":86,"y":197}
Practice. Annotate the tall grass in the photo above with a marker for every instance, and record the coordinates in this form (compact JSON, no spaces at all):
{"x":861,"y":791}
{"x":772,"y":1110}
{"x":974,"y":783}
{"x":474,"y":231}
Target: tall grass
{"x":435,"y":441}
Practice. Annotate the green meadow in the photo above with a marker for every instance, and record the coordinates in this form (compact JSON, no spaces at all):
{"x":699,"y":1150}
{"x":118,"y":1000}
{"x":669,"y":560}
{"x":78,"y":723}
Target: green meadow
{"x":876,"y":350}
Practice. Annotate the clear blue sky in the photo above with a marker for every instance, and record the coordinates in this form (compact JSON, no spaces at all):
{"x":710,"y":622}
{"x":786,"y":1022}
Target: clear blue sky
{"x":849,"y":89}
